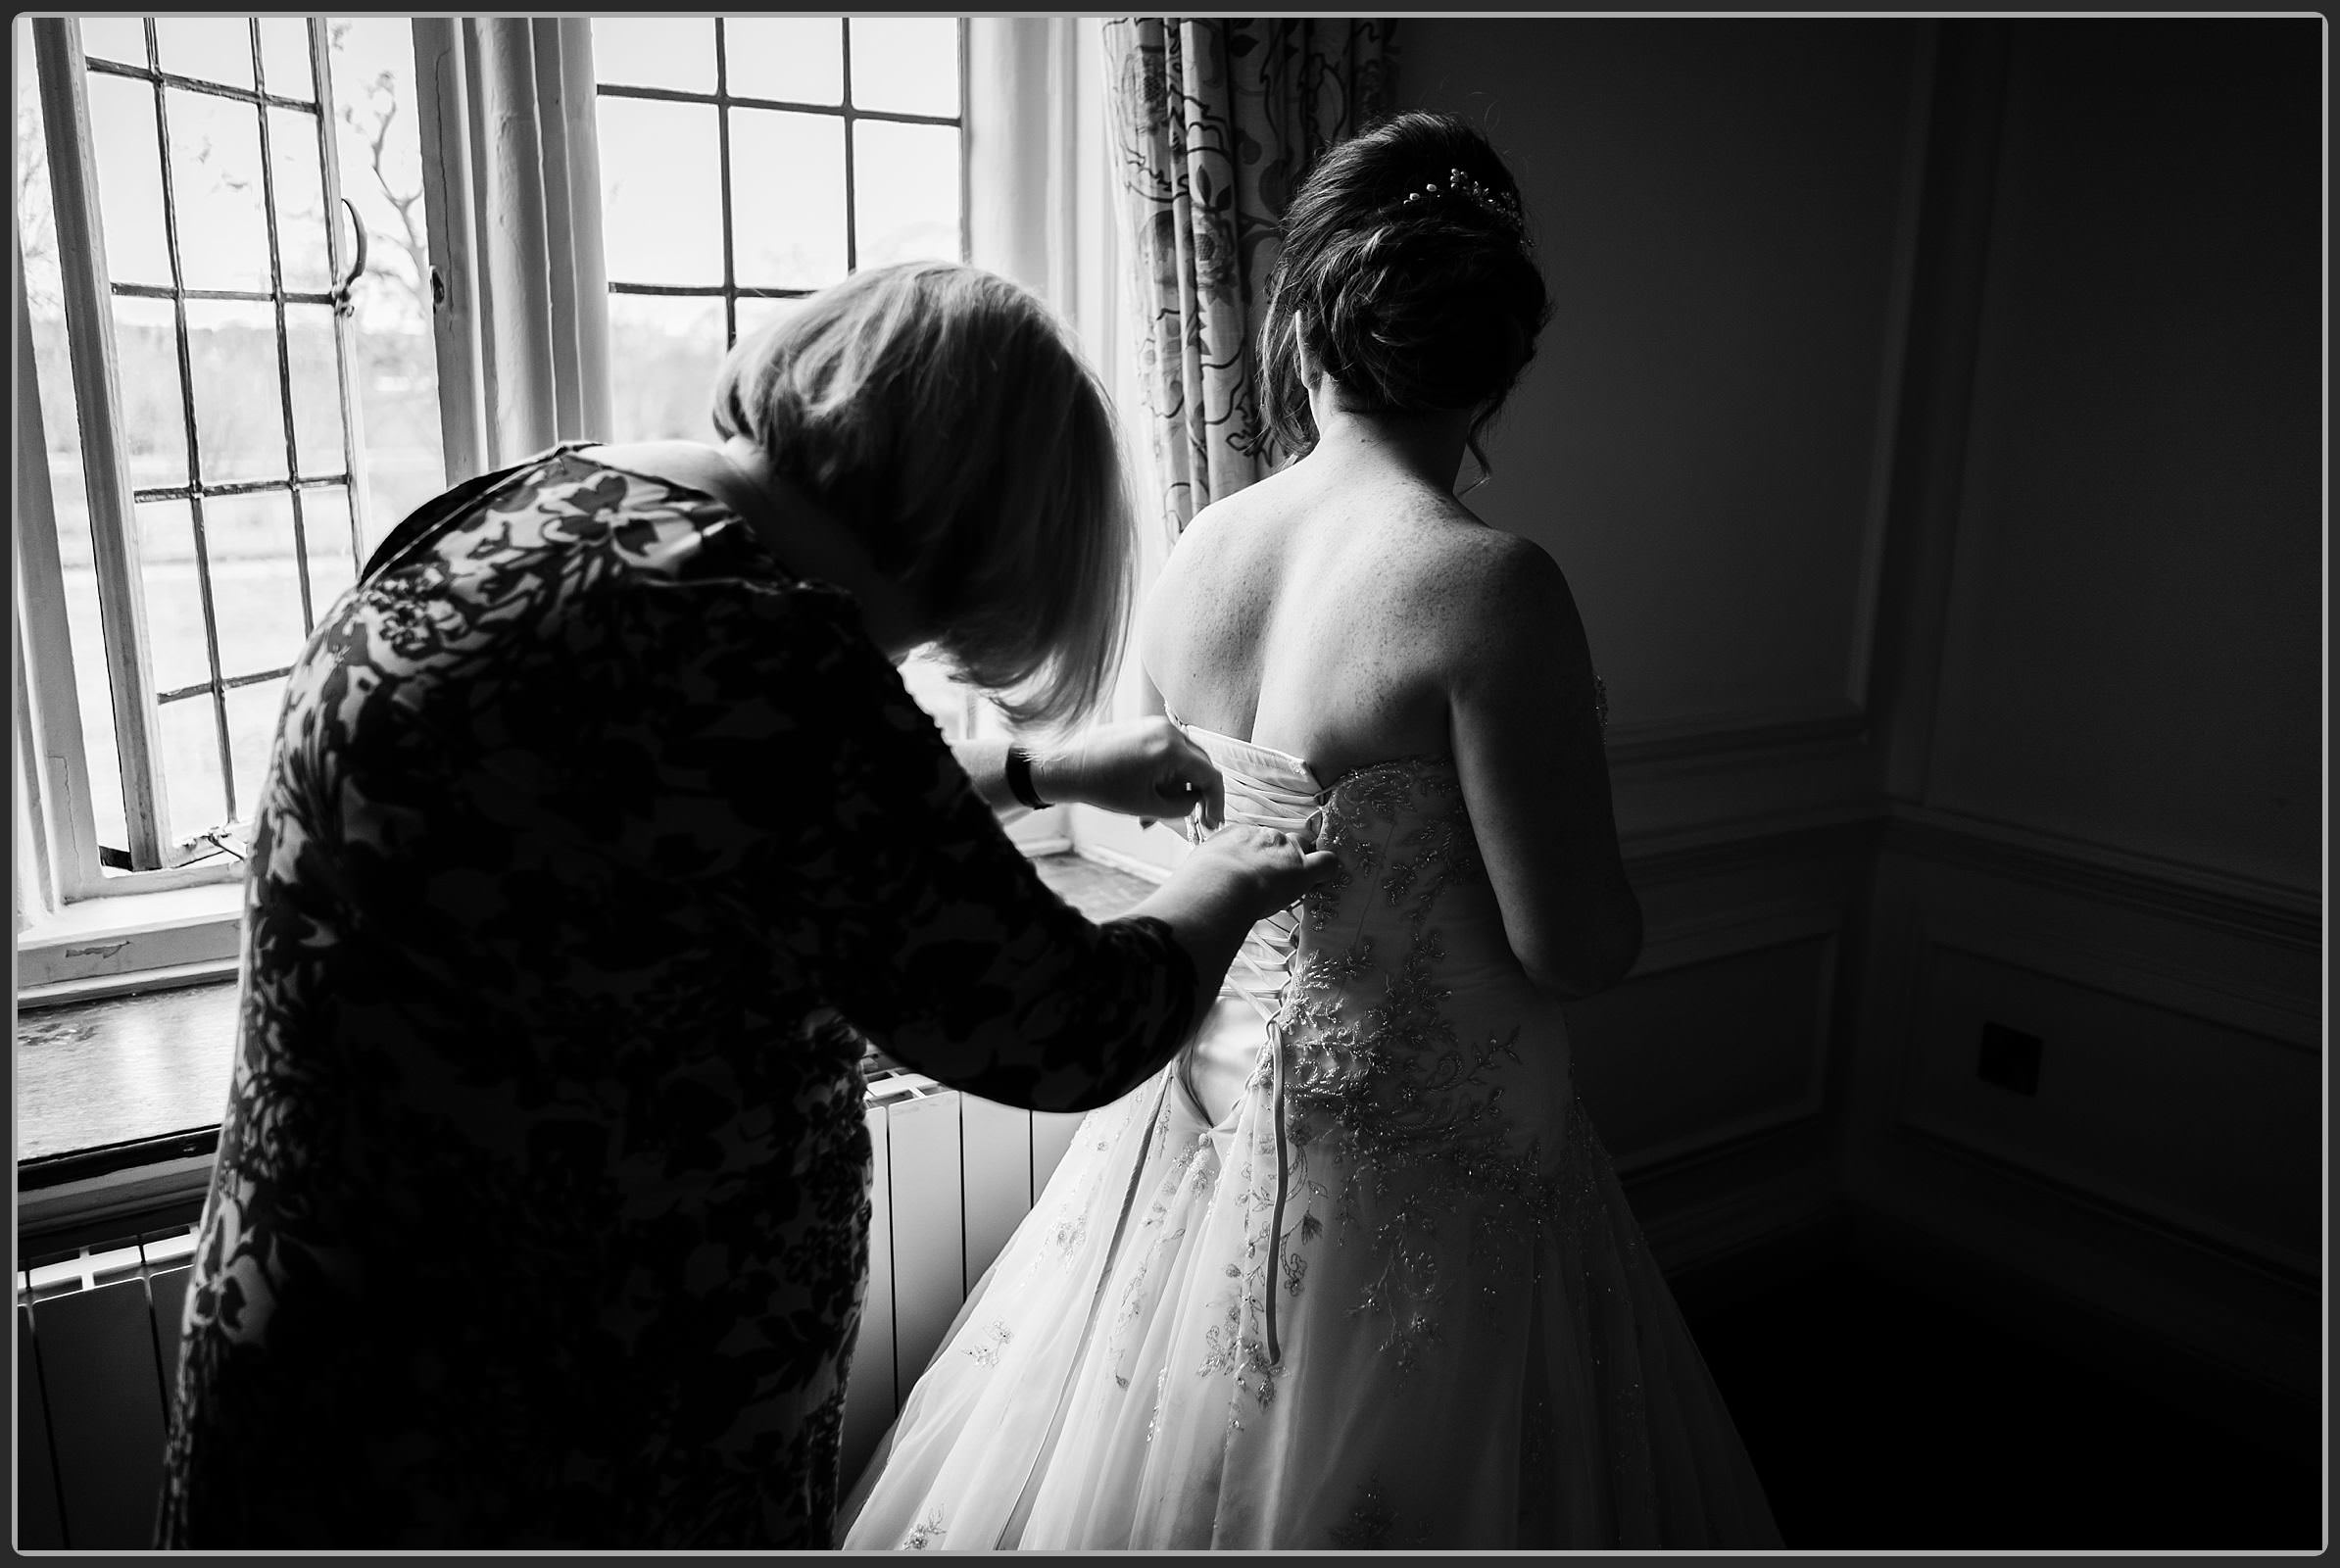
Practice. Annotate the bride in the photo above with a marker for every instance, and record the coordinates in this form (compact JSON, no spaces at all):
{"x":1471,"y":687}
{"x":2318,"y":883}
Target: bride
{"x":1354,"y":1270}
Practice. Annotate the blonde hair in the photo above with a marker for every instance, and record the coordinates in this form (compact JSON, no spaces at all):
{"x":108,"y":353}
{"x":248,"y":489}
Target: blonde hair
{"x":943,"y":413}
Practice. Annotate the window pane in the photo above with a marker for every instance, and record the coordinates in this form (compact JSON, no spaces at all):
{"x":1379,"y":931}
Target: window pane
{"x":129,"y":176}
{"x":256,"y":583}
{"x":755,"y":314}
{"x":121,"y":39}
{"x":284,"y":56}
{"x":396,"y":367}
{"x":191,"y":766}
{"x":799,"y":59}
{"x":676,"y":52}
{"x":213,"y":48}
{"x":661,"y":204}
{"x":214,"y":177}
{"x":671,"y":349}
{"x":239,"y":406}
{"x":153,"y":411}
{"x":905,"y":192}
{"x":787,"y":199}
{"x":60,"y":431}
{"x":298,"y":170}
{"x":403,"y":461}
{"x":252,"y":714}
{"x":907,"y":64}
{"x":315,"y":389}
{"x":178,"y":650}
{"x":325,"y":529}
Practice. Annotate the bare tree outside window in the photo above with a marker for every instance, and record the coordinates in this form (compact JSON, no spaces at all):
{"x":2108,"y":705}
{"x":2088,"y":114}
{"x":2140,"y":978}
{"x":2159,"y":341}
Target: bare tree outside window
{"x":242,"y":429}
{"x":381,"y":173}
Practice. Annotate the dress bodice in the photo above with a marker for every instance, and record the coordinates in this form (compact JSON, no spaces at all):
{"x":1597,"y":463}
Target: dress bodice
{"x":1391,"y":1296}
{"x":1392,"y":984}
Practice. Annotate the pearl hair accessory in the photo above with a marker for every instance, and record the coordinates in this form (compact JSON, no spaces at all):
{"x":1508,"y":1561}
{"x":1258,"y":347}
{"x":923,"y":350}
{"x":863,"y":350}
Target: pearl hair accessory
{"x":1458,"y":183}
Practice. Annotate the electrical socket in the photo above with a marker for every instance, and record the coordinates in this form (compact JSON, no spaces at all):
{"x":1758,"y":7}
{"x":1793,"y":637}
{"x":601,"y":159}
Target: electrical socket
{"x":2010,"y":1058}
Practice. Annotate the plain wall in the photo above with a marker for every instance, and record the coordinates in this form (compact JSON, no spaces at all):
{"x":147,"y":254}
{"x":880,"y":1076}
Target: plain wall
{"x":2112,"y":844}
{"x":2131,"y":651}
{"x":1698,"y":443}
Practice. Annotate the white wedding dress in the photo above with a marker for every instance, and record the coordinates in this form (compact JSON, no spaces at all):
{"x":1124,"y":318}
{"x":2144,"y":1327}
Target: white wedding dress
{"x":1394,"y":1296}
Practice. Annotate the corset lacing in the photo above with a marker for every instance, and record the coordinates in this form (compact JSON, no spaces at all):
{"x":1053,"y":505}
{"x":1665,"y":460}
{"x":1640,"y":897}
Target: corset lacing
{"x":1264,"y":789}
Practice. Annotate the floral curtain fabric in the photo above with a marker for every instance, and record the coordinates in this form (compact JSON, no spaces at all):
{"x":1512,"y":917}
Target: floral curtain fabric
{"x":1216,"y":123}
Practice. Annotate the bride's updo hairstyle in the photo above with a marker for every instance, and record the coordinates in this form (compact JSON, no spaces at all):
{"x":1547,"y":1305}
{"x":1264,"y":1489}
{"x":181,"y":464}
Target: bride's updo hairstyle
{"x":945,"y":418}
{"x":1406,"y":276}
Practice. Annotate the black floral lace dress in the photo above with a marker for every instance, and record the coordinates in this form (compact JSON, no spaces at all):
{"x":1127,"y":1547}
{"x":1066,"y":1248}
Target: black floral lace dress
{"x":593,"y":846}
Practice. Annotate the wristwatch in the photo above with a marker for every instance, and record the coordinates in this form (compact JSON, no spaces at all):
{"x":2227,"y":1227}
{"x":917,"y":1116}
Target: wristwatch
{"x":1019,"y":778}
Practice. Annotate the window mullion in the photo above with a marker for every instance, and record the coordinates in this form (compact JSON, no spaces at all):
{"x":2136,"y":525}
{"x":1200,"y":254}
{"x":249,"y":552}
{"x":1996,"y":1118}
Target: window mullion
{"x":966,"y":177}
{"x":48,"y":692}
{"x":507,"y":176}
{"x":97,"y":393}
{"x":561,"y":269}
{"x":580,"y":135}
{"x":457,"y":339}
{"x":292,"y":461}
{"x":186,"y":381}
{"x":852,"y":218}
{"x":32,"y":795}
{"x":731,"y":281}
{"x":345,"y":351}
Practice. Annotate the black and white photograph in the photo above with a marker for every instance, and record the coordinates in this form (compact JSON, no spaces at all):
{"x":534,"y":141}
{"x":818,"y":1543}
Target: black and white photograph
{"x":1448,"y":783}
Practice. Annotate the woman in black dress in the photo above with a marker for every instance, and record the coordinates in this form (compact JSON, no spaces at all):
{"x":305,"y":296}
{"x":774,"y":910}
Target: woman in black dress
{"x":599,"y":834}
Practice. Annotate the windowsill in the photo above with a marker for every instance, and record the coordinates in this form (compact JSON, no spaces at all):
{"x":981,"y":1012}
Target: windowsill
{"x":116,"y":1090}
{"x":111,"y":946}
{"x":120,"y":1072}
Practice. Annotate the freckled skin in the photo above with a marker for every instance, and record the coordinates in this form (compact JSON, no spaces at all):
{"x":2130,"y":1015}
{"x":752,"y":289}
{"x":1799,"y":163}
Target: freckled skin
{"x":1318,"y":620}
{"x":1348,"y":608}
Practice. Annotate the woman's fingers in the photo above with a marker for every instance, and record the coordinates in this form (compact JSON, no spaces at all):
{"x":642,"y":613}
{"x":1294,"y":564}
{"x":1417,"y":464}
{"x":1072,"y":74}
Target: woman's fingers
{"x":1200,"y":776}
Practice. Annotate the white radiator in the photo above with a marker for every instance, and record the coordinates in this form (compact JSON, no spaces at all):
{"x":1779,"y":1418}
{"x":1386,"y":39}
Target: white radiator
{"x":97,"y":1334}
{"x":954,"y":1175}
{"x":97,"y":1346}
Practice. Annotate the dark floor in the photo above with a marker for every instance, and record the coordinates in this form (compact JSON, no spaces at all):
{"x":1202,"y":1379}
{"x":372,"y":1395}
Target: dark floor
{"x":1882,"y":1420}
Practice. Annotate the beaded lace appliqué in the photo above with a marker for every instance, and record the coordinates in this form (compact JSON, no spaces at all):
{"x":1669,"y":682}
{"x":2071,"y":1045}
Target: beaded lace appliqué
{"x":995,"y":1336}
{"x":1390,"y":1109}
{"x":927,"y":1533}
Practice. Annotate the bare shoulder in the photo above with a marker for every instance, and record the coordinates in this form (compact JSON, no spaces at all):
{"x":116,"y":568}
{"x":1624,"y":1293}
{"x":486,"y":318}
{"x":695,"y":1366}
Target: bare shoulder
{"x":1496,"y":592}
{"x":1204,"y":605}
{"x":1232,"y":515}
{"x":1228,"y":548}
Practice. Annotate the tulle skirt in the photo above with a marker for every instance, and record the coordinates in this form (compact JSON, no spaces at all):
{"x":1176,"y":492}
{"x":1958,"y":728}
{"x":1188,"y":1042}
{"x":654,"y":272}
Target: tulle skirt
{"x":1188,"y":1345}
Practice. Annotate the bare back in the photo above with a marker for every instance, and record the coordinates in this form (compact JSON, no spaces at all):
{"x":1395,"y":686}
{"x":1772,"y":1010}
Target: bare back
{"x":1345,"y":614}
{"x":1318,"y":618}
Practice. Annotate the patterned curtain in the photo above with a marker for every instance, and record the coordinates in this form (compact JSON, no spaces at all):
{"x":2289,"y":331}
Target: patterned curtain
{"x":1216,"y":123}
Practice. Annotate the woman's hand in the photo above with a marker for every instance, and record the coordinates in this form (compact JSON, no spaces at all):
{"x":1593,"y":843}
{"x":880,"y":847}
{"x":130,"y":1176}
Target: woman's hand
{"x":1260,"y":870}
{"x":1140,"y":767}
{"x":1236,"y":877}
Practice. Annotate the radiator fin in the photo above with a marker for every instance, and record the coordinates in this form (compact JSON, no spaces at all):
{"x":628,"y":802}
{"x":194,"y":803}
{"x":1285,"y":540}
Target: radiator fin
{"x":869,"y":1400}
{"x":97,"y":1357}
{"x":40,"y":1519}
